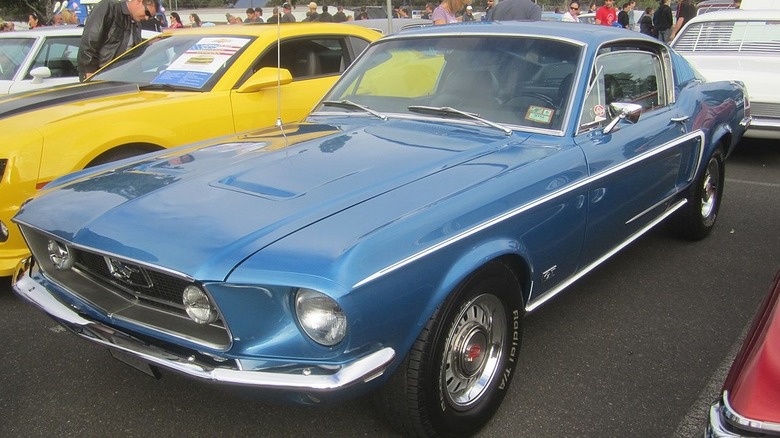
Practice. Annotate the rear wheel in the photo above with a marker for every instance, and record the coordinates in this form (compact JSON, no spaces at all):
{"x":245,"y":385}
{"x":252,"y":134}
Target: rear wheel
{"x":697,"y":219}
{"x":459,"y":369}
{"x":118,"y":154}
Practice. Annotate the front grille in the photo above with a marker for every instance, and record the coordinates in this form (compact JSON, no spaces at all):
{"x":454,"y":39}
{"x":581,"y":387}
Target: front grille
{"x":137,"y":293}
{"x":164,"y":292}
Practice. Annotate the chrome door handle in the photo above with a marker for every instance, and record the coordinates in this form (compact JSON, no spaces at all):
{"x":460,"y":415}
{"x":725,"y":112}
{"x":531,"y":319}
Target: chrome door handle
{"x":680,"y":119}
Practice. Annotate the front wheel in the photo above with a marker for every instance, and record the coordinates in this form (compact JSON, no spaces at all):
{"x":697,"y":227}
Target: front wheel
{"x":697,"y":219}
{"x":459,"y":369}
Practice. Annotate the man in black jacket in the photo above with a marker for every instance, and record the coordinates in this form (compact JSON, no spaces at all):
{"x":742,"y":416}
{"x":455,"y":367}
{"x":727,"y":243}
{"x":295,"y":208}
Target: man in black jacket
{"x":111,"y":28}
{"x":662,"y":21}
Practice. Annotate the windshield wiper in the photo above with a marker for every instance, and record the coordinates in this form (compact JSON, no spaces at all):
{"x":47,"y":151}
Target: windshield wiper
{"x":350,"y":104}
{"x":449,"y":111}
{"x":167,"y":87}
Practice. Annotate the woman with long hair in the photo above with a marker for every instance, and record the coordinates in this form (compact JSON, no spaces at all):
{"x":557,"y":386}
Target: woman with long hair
{"x":194,"y":20}
{"x":175,"y":21}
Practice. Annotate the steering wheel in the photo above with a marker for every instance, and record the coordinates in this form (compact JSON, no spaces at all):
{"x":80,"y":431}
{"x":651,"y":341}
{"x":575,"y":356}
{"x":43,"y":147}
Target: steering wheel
{"x":531,"y":96}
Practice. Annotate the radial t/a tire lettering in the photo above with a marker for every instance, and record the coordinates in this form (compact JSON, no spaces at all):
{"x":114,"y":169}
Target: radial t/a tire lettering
{"x":459,"y":369}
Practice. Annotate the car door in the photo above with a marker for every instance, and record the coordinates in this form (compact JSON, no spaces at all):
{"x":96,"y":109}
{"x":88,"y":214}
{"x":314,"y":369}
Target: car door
{"x":58,"y":53}
{"x":315,"y":64}
{"x":636,"y":167}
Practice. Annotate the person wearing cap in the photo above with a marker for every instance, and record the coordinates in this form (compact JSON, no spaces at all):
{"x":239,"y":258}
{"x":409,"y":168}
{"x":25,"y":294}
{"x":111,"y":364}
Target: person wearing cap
{"x":469,"y":15}
{"x":287,"y":17}
{"x":312,"y":14}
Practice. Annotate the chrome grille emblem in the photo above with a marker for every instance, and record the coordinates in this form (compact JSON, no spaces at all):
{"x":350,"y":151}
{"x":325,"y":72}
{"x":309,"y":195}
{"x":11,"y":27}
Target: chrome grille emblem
{"x":60,"y":255}
{"x":133,"y":275}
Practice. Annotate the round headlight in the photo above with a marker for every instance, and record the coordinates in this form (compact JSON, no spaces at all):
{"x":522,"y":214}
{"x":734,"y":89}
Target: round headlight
{"x":320,"y":316}
{"x":60,"y":255}
{"x":198,"y":305}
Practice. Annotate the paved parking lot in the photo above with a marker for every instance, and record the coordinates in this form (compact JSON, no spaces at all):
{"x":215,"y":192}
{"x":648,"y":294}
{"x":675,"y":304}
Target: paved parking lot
{"x":637,"y":348}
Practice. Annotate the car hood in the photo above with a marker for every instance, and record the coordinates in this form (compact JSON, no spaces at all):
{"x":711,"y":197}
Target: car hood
{"x":757,"y":73}
{"x":201,"y":210}
{"x":23,"y":102}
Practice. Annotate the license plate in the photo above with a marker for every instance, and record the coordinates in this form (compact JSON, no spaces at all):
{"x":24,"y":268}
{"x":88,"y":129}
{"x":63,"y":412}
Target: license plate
{"x":136,"y":363}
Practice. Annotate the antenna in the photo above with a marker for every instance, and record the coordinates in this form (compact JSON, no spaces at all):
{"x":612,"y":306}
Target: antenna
{"x":279,"y":76}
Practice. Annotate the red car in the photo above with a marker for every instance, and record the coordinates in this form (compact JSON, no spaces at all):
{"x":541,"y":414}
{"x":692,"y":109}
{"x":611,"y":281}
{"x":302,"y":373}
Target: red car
{"x":750,"y":402}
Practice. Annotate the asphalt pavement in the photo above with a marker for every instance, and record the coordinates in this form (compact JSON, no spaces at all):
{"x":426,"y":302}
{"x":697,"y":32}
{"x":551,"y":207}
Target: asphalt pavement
{"x":637,"y":348}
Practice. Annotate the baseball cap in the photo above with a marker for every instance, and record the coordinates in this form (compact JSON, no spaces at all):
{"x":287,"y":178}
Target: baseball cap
{"x":469,"y":7}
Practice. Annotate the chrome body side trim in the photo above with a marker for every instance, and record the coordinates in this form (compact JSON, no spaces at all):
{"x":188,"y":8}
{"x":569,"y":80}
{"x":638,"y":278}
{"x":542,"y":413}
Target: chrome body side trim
{"x":535,"y":303}
{"x":361,"y":370}
{"x":525,"y":207}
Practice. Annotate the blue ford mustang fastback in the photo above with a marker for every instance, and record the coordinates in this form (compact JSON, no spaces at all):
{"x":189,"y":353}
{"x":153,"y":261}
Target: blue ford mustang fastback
{"x":455,"y":178}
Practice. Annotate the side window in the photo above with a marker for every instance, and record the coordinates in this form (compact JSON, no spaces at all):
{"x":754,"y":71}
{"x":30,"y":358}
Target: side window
{"x":308,"y":58}
{"x":59,"y":54}
{"x":623,"y":76}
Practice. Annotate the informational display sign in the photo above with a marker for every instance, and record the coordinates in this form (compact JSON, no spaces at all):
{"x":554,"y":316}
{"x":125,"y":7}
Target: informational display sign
{"x":200,"y":62}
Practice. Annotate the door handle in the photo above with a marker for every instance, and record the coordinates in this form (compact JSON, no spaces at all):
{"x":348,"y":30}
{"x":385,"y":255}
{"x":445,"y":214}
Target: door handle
{"x":680,"y":119}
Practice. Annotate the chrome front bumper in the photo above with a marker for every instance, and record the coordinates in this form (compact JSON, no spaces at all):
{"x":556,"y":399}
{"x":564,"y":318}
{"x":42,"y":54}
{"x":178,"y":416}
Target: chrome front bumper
{"x":361,"y":370}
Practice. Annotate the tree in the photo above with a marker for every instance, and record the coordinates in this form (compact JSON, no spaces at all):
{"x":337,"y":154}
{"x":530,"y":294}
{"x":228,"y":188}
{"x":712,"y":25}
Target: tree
{"x":18,"y":10}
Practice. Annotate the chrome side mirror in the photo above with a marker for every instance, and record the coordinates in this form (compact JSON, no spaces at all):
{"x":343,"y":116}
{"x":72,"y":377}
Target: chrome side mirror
{"x":620,"y":111}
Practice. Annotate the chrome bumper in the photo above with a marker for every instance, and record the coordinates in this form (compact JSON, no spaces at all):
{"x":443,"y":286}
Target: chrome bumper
{"x":361,"y":370}
{"x":721,"y":414}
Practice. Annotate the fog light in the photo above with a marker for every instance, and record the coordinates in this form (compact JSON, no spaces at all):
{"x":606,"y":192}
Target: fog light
{"x":198,"y":306}
{"x":60,"y":255}
{"x":3,"y":232}
{"x":320,"y":316}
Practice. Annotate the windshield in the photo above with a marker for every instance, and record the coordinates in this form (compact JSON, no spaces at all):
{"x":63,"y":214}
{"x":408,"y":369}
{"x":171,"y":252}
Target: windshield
{"x":13,"y":51}
{"x":522,"y":81}
{"x":183,"y":61}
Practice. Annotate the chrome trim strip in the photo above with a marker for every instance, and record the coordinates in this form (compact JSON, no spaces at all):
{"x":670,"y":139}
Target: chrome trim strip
{"x":758,"y":122}
{"x":647,"y":210}
{"x":360,"y":370}
{"x":525,"y":207}
{"x":160,"y":269}
{"x":534,"y":304}
{"x":741,"y":420}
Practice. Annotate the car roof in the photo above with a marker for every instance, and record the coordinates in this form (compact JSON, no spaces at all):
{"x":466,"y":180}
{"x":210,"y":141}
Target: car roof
{"x":582,"y":32}
{"x":257,"y":29}
{"x":44,"y":31}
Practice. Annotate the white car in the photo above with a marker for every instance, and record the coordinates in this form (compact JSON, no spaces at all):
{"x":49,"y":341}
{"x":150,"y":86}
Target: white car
{"x":38,"y":58}
{"x":743,"y":45}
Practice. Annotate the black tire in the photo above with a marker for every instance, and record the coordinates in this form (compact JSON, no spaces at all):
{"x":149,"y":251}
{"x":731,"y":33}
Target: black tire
{"x":697,"y":219}
{"x":460,"y":367}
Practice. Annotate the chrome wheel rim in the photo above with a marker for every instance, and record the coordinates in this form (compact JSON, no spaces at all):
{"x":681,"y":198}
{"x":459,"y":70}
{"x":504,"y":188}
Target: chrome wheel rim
{"x":473,"y":351}
{"x":710,"y":189}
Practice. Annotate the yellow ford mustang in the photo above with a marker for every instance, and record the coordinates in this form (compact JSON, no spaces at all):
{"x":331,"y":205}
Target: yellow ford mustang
{"x":175,"y":89}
